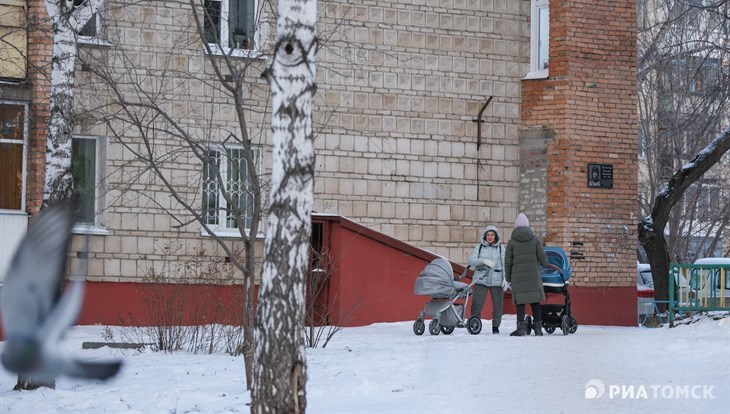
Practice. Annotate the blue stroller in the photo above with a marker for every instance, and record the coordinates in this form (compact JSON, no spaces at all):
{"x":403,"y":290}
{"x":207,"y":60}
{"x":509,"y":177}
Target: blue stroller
{"x":449,"y":299}
{"x":554,"y":281}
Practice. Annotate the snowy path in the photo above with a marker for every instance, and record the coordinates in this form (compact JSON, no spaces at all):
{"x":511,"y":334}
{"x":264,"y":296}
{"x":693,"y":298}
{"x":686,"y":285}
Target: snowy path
{"x":385,"y":368}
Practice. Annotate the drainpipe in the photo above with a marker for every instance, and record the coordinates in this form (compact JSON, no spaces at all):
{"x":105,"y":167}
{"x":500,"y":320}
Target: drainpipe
{"x":479,"y":121}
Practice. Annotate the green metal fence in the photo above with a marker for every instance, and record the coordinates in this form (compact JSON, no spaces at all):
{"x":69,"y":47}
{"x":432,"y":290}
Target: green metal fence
{"x":698,"y":287}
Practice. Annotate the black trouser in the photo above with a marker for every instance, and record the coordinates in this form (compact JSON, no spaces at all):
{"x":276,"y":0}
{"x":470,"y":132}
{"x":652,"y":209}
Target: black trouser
{"x":535,"y":311}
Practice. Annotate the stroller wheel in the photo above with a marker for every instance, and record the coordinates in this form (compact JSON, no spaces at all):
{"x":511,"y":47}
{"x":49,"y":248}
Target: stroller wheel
{"x":550,"y":329}
{"x":419,"y":327}
{"x":474,"y":325}
{"x":565,"y":324}
{"x":572,"y":325}
{"x":447,"y":330}
{"x":433,"y":327}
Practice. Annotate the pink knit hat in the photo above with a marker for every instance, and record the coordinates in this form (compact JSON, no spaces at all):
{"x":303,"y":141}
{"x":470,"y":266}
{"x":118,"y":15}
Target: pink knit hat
{"x":522,"y":221}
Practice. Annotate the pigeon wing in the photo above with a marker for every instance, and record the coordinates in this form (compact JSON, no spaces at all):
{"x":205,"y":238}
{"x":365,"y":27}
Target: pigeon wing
{"x":56,"y":364}
{"x":62,"y":316}
{"x":92,"y":370}
{"x":35,"y":274}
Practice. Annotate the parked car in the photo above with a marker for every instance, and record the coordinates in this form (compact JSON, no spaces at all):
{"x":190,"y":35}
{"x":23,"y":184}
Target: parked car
{"x":645,"y":294}
{"x":716,"y":288}
{"x":644,"y":291}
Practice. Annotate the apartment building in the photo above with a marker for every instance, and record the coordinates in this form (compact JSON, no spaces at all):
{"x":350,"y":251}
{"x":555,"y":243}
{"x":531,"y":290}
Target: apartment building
{"x":433,"y":119}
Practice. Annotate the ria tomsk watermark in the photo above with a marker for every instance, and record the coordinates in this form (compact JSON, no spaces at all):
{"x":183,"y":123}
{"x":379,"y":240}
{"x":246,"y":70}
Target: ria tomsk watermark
{"x":596,"y":389}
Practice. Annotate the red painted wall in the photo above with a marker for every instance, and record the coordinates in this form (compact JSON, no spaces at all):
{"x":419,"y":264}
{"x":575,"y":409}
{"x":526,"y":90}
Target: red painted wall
{"x":138,"y":304}
{"x":380,"y":290}
{"x":373,"y":276}
{"x":371,"y":280}
{"x":595,"y":305}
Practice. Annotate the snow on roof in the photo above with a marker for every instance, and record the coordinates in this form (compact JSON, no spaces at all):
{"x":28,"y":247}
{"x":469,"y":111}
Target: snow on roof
{"x":641,"y":267}
{"x":714,"y":260}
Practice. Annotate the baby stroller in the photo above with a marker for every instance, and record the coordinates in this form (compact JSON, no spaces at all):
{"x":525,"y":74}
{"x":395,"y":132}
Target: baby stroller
{"x":449,"y":299}
{"x":554,"y":281}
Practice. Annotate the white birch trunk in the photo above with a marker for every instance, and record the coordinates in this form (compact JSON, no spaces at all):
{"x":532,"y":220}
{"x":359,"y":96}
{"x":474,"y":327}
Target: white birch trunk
{"x":66,"y":22}
{"x":279,"y":358}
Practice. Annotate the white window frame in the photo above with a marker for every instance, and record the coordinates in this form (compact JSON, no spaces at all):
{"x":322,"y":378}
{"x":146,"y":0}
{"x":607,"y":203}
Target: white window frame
{"x":99,"y":30}
{"x":99,"y":225}
{"x":224,"y":47}
{"x":100,"y":37}
{"x":24,"y":143}
{"x":536,"y":29}
{"x":221,"y":229}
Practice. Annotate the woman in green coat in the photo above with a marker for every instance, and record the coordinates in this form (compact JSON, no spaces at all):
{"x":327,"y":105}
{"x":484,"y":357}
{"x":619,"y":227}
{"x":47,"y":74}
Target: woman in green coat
{"x":522,"y":259}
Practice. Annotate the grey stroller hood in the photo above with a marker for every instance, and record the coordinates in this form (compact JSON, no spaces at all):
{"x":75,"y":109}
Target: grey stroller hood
{"x":437,"y":279}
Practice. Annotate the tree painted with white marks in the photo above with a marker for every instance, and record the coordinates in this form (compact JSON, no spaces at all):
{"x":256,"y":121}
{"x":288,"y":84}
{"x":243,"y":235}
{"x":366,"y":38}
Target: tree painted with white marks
{"x":279,"y":360}
{"x":68,"y":17}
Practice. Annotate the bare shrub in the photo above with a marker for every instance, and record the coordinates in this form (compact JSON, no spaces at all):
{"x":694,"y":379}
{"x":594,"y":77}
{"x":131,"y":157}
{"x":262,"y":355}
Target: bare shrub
{"x":319,"y":329}
{"x":185,"y":305}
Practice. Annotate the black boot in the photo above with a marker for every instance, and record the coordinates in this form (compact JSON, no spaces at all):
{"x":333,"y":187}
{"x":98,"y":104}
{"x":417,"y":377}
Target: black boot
{"x":520,"y":331}
{"x":537,"y":327}
{"x":495,"y":330}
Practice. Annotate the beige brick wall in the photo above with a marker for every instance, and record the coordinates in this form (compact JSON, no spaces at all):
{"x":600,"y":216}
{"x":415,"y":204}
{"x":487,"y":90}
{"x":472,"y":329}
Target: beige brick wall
{"x":399,"y":85}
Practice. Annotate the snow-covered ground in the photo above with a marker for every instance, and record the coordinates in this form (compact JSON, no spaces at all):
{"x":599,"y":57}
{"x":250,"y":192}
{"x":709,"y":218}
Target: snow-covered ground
{"x":385,"y":368}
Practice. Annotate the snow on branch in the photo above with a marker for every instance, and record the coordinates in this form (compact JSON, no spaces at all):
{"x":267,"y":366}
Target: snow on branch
{"x":688,"y":174}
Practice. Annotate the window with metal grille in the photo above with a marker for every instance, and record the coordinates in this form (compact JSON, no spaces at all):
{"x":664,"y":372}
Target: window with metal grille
{"x":227,"y":192}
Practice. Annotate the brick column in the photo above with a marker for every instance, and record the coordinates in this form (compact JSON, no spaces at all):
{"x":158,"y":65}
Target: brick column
{"x":588,"y":106}
{"x":40,"y":49}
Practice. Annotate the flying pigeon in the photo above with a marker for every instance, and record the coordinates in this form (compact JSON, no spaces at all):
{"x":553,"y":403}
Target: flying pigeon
{"x":34,"y":313}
